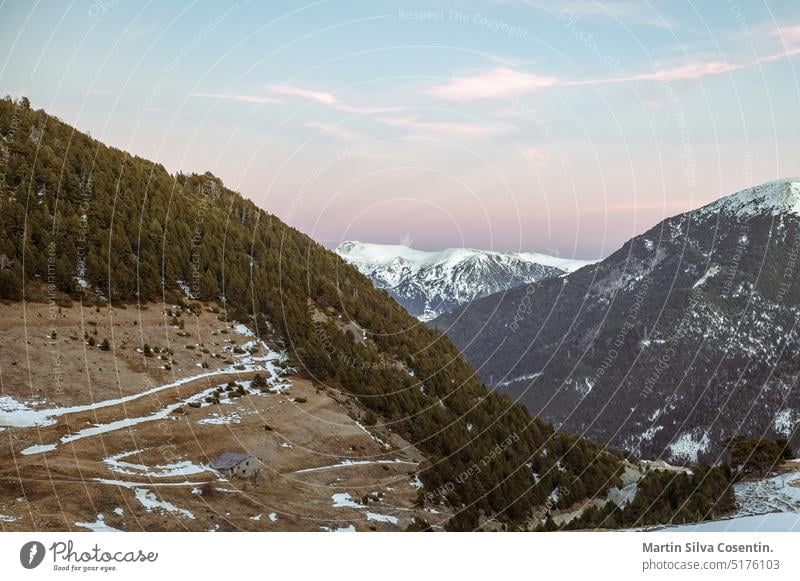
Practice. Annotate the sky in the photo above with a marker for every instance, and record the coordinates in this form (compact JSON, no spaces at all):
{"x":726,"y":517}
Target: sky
{"x":510,"y":125}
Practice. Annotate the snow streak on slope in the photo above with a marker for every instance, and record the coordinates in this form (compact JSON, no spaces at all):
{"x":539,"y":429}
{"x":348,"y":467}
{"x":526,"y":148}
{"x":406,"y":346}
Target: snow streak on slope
{"x":428,"y":284}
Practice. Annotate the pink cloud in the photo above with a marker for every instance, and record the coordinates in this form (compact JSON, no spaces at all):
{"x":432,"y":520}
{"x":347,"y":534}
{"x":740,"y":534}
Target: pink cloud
{"x":292,"y":91}
{"x":789,"y":52}
{"x":495,"y":84}
{"x":788,"y":35}
{"x":503,"y":83}
{"x":689,"y":72}
{"x":789,"y":39}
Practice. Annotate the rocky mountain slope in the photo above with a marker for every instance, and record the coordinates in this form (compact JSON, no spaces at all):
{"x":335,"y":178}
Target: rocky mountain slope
{"x":684,"y":337}
{"x":429,"y":284}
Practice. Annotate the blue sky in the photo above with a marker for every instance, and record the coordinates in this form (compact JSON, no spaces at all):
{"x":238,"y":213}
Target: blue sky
{"x":562,"y":127}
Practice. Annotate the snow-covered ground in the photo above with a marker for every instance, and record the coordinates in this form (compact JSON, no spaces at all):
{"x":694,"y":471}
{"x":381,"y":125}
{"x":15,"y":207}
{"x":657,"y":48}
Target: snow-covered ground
{"x":151,"y":502}
{"x":377,"y":517}
{"x":772,"y":198}
{"x":182,"y":468}
{"x":373,"y":436}
{"x":347,"y":529}
{"x":764,"y":505}
{"x":689,"y":446}
{"x":774,"y":522}
{"x":344,"y":463}
{"x":25,"y":418}
{"x":129,"y":484}
{"x":21,"y":415}
{"x":344,"y":500}
{"x":98,"y":429}
{"x":271,"y":362}
{"x":775,"y":494}
{"x":225,"y":419}
{"x":98,"y":526}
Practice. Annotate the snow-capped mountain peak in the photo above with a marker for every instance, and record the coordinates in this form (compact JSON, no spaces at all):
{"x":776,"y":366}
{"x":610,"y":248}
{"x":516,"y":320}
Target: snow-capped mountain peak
{"x":776,"y":198}
{"x":429,"y":283}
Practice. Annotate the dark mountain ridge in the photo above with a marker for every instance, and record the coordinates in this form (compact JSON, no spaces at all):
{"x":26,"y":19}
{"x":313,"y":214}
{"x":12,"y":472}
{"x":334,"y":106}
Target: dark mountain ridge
{"x":684,"y":337}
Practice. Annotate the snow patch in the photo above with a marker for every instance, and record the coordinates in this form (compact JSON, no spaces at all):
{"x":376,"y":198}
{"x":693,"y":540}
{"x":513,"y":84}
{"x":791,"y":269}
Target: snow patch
{"x":347,"y":529}
{"x":527,"y":377}
{"x":381,"y":517}
{"x":217,"y":419}
{"x":688,"y":446}
{"x":785,"y":422}
{"x":344,"y":500}
{"x":150,"y":502}
{"x":354,"y":463}
{"x":182,"y":468}
{"x":772,"y":198}
{"x":98,"y":526}
{"x":712,"y":271}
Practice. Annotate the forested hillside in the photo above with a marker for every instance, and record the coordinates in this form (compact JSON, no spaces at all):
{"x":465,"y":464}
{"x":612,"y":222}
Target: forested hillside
{"x":89,"y":222}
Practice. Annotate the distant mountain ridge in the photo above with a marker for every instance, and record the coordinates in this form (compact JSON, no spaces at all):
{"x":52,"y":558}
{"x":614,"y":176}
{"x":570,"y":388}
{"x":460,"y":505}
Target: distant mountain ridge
{"x":684,"y":337}
{"x":429,"y":284}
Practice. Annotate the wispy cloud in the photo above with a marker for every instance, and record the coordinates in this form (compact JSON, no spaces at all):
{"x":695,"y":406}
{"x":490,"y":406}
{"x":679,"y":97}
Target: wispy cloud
{"x":233,"y":97}
{"x":274,"y":93}
{"x":450,"y":128}
{"x":335,"y":130}
{"x":504,"y":83}
{"x":788,"y":35}
{"x":789,"y":39}
{"x":498,"y":83}
{"x":292,"y":91}
{"x":692,"y":71}
{"x":327,"y":99}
